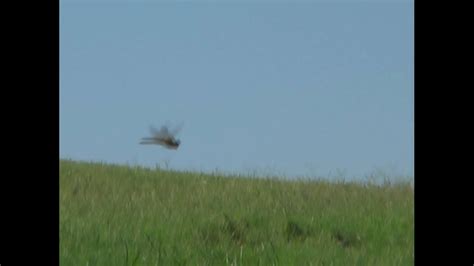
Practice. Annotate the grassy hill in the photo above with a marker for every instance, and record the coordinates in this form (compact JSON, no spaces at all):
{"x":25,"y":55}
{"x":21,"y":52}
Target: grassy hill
{"x":121,"y":215}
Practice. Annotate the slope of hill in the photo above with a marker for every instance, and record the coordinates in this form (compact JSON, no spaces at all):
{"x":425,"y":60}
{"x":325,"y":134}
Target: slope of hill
{"x":121,"y":215}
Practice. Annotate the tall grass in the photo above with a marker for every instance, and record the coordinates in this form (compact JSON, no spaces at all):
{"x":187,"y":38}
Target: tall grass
{"x":120,"y":215}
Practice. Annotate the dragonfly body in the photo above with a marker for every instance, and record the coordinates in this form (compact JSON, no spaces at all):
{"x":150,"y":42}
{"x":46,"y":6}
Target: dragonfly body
{"x":163,"y":137}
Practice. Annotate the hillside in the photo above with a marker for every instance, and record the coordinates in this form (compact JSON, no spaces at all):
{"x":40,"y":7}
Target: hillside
{"x":121,"y":215}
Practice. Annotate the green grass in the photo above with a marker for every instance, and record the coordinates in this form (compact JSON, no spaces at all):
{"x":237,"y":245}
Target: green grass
{"x":123,"y":215}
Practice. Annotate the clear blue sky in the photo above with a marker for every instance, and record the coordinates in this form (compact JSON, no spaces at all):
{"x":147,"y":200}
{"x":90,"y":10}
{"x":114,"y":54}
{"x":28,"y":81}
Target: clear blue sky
{"x":285,"y":88}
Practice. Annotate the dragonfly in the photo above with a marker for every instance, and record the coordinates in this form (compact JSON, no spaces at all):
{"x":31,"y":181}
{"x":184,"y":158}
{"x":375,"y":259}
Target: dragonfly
{"x":163,"y":137}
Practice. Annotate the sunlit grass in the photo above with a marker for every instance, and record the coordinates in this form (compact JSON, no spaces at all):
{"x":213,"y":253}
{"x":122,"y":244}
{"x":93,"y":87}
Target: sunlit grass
{"x":120,"y":215}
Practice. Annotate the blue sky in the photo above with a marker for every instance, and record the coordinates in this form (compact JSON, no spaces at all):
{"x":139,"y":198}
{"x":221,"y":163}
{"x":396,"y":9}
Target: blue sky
{"x":284,"y":88}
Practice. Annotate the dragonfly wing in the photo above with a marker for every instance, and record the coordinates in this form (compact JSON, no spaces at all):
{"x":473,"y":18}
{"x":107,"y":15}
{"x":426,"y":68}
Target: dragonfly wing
{"x":176,"y":130}
{"x":162,"y":133}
